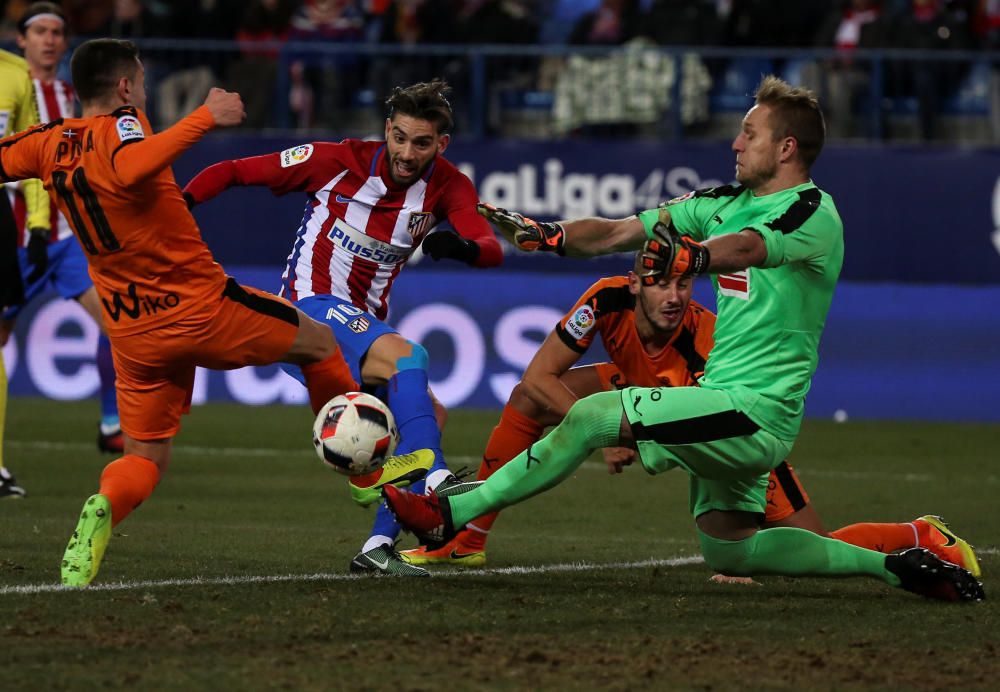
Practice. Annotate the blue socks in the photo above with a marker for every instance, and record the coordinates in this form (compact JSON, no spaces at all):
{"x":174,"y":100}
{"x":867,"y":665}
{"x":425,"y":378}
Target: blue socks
{"x":413,"y":409}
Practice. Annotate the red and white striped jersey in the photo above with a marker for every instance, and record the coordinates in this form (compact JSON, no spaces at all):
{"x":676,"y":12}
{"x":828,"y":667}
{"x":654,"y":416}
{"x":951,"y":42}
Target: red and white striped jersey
{"x":55,"y":100}
{"x":359,"y":227}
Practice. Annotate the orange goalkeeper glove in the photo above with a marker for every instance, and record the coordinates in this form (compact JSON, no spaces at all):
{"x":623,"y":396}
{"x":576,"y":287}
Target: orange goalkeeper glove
{"x":526,"y":234}
{"x":669,"y":254}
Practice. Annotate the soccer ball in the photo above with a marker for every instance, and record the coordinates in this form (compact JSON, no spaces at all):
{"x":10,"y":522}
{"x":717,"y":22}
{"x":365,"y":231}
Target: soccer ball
{"x":354,"y":433}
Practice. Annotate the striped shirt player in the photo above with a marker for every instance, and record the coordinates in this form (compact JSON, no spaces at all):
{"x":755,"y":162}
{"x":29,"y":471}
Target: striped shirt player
{"x":359,"y":227}
{"x":370,"y":205}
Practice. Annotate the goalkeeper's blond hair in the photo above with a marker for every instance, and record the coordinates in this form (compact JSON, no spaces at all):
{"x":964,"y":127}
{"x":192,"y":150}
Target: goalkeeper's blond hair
{"x":795,"y":112}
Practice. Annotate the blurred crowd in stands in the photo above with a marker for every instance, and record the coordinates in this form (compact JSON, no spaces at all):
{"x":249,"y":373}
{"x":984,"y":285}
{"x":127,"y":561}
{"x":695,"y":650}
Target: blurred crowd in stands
{"x":323,"y":88}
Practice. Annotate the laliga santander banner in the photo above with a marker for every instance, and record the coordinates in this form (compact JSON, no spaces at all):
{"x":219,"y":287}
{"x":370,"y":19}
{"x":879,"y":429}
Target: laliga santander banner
{"x":889,"y":351}
{"x":895,"y":201}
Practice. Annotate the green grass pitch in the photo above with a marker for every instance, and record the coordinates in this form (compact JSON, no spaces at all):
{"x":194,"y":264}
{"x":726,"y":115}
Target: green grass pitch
{"x":234,"y":574}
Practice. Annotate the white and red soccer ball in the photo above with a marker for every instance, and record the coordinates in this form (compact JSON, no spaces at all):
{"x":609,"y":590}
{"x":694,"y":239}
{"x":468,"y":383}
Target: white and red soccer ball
{"x":354,"y":433}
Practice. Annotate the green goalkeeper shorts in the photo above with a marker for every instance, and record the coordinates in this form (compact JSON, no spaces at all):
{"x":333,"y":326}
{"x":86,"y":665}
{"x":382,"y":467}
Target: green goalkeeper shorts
{"x":727,"y":456}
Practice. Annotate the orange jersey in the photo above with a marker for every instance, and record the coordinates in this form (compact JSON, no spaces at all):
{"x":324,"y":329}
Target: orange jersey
{"x":608,"y":309}
{"x":114,"y":184}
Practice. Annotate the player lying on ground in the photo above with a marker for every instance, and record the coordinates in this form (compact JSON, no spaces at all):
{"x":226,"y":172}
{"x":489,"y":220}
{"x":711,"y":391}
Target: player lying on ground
{"x":169,"y":306}
{"x":774,"y":246}
{"x":656,"y":336}
{"x":370,"y":206}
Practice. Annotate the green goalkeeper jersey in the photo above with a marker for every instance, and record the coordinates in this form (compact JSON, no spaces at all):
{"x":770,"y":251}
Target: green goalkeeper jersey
{"x":770,"y":318}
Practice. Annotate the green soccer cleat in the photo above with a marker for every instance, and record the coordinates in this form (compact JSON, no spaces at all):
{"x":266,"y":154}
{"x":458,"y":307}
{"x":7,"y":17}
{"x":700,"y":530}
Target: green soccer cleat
{"x":401,"y":471}
{"x":86,"y":547}
{"x":949,"y":547}
{"x":385,"y":560}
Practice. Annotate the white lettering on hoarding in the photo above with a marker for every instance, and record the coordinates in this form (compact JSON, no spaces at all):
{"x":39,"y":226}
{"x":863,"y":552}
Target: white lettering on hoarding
{"x":467,"y":341}
{"x":514,"y":345}
{"x":60,"y":344}
{"x":562,"y":194}
{"x":62,"y":366}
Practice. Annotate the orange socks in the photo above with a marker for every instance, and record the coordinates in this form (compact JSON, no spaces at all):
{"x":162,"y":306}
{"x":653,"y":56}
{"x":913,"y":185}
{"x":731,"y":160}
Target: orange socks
{"x":126,"y":482}
{"x":513,"y":434}
{"x":883,"y":538}
{"x":328,"y":378}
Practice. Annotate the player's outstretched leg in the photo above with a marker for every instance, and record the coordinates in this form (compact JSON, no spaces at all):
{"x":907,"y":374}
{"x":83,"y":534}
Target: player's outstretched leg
{"x":929,"y":531}
{"x":796,"y":552}
{"x":125,"y":483}
{"x":409,"y":399}
{"x":592,"y":423}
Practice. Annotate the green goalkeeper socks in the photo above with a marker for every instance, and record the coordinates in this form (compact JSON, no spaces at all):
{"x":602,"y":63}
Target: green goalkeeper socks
{"x":592,"y":423}
{"x":793,"y":553}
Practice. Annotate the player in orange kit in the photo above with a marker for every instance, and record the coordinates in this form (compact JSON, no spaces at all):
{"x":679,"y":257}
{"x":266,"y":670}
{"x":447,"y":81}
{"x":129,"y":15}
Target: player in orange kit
{"x":655,"y":336}
{"x":169,"y":307}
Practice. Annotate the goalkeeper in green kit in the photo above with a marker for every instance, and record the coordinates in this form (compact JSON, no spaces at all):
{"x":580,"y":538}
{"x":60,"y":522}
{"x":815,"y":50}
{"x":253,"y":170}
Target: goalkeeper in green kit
{"x":774,"y":246}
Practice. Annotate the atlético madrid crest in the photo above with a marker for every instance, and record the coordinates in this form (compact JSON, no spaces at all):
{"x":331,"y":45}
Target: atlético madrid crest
{"x":417,"y":225}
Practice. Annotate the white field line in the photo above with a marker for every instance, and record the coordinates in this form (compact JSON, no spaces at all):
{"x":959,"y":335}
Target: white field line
{"x":456,"y":461}
{"x":324,"y":577}
{"x":567,"y":567}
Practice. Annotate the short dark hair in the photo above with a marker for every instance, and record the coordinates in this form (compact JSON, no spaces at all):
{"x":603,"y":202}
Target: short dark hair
{"x":424,"y":100}
{"x":97,"y":66}
{"x":35,"y":9}
{"x":795,"y":112}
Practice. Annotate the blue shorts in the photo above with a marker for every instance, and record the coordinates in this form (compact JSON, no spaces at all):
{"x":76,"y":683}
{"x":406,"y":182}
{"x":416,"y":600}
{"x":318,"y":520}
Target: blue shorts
{"x":354,"y":329}
{"x":67,"y":273}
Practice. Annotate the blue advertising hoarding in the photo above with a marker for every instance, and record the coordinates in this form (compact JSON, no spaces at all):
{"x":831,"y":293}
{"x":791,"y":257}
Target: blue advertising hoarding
{"x":889,"y":350}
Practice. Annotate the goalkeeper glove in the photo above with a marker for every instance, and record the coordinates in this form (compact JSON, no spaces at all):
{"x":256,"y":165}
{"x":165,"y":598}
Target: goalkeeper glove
{"x":527,"y":234}
{"x":38,"y":253}
{"x":450,"y":245}
{"x":668,"y":254}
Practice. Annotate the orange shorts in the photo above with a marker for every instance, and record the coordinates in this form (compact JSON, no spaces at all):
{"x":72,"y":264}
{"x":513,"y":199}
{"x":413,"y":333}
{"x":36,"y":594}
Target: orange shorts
{"x":156,"y":368}
{"x":785,"y":494}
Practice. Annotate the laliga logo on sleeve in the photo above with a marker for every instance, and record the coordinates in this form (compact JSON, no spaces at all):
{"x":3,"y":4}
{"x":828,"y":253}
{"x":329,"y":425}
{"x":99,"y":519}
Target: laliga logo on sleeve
{"x":296,"y":155}
{"x":581,"y":322}
{"x":129,"y":128}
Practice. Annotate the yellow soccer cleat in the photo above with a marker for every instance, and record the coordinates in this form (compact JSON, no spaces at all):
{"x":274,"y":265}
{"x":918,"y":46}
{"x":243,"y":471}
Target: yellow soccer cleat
{"x":86,"y":547}
{"x":401,"y":471}
{"x":460,"y":551}
{"x":946,"y":545}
